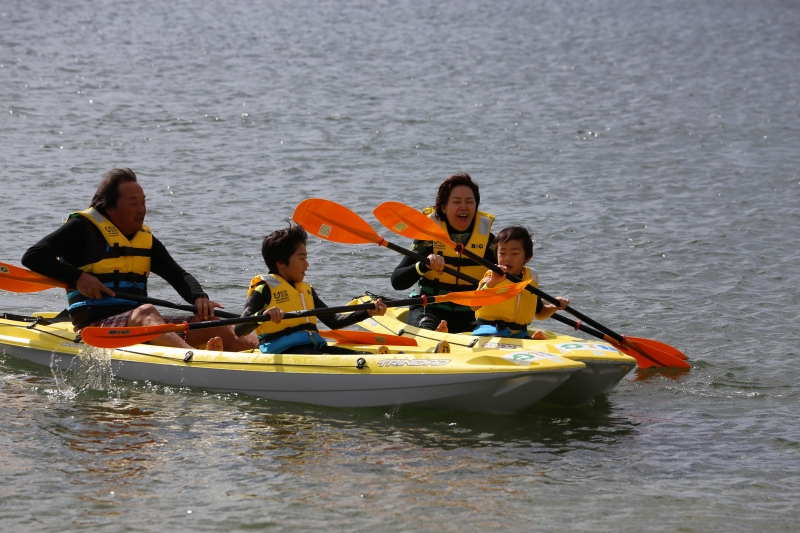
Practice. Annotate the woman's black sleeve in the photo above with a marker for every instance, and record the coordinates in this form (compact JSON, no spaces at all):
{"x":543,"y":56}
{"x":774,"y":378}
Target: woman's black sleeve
{"x":405,"y":274}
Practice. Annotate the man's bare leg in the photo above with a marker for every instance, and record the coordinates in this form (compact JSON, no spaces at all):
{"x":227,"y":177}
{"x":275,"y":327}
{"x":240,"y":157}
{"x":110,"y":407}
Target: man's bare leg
{"x":214,"y":338}
{"x":148,"y":315}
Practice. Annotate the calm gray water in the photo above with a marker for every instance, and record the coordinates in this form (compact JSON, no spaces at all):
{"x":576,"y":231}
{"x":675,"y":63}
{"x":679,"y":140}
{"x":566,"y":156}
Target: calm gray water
{"x":652,"y":146}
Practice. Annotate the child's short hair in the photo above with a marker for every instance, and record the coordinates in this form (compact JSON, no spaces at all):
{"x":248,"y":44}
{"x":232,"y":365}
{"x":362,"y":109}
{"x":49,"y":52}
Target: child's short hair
{"x":280,"y":245}
{"x":517,"y":233}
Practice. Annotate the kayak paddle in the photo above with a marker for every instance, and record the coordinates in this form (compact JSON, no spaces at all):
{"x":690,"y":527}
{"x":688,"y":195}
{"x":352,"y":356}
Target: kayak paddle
{"x":127,"y":336}
{"x":17,"y":279}
{"x":334,"y":222}
{"x":409,"y":222}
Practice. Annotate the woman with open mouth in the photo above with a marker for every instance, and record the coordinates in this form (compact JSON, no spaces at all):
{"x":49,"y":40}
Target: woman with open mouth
{"x":456,"y":210}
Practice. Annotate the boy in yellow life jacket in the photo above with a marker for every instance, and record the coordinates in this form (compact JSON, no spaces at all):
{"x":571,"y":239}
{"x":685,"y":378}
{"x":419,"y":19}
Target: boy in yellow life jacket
{"x":283,"y":290}
{"x":511,"y":318}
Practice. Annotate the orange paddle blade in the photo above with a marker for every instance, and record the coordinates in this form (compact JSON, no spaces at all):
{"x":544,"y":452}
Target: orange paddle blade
{"x":658,"y":345}
{"x":127,"y":336}
{"x":409,"y":222}
{"x":658,"y":357}
{"x":483,"y":296}
{"x":648,"y":357}
{"x":333,"y":222}
{"x":641,"y":360}
{"x":365,"y":337}
{"x":16,"y":279}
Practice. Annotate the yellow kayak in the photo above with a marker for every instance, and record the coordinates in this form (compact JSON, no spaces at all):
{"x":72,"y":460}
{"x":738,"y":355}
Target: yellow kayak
{"x":426,"y":376}
{"x":604,"y":365}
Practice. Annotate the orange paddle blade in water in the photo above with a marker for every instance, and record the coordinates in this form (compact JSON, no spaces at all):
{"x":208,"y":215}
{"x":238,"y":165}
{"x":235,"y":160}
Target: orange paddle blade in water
{"x":653,"y":344}
{"x":656,"y":356}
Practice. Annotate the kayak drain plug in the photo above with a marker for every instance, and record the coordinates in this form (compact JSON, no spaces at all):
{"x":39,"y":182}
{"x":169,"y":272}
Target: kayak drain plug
{"x":361,"y":363}
{"x":188,"y":356}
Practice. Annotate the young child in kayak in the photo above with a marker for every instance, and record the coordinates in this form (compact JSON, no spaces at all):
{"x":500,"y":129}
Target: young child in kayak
{"x":283,"y":290}
{"x":511,"y":318}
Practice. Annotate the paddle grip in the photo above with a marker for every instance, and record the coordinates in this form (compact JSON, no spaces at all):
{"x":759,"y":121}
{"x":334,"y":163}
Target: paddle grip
{"x":577,"y":325}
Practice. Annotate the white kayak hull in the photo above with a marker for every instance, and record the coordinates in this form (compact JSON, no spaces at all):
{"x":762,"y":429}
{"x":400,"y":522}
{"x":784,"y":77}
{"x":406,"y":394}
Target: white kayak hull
{"x":453,"y":381}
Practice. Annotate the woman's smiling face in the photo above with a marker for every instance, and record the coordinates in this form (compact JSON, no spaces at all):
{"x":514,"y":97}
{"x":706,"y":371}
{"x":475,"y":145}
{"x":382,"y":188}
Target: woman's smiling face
{"x":460,"y":207}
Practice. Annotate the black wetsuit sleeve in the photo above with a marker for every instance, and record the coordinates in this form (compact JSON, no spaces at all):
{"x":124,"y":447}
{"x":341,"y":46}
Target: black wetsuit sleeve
{"x":164,"y":265}
{"x":339,"y":320}
{"x":75,"y":242}
{"x":79,"y":242}
{"x":255,"y":303}
{"x":405,"y":274}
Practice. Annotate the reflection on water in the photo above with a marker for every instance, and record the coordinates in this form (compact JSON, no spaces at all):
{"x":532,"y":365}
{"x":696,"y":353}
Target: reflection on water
{"x":118,"y":416}
{"x":676,"y":374}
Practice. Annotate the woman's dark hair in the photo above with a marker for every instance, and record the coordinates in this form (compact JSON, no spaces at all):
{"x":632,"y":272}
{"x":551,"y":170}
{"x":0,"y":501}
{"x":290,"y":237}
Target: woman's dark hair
{"x":517,"y":233}
{"x":107,"y":194}
{"x":446,"y":188}
{"x":280,"y":245}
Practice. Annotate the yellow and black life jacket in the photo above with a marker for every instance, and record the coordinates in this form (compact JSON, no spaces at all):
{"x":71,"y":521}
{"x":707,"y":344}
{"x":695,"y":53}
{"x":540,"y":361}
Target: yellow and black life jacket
{"x":289,"y":298}
{"x":515,"y":313}
{"x":432,"y":283}
{"x":125,"y":265}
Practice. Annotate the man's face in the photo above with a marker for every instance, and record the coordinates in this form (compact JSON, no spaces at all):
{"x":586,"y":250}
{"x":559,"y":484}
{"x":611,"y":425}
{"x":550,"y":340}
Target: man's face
{"x":128,"y":214}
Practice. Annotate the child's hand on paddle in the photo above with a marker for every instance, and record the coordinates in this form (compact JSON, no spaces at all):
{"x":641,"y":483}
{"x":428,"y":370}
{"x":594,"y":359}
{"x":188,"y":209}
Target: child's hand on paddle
{"x":274,"y":313}
{"x":491,"y":279}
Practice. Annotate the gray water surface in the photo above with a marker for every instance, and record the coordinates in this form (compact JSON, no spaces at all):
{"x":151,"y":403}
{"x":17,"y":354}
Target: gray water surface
{"x":652,"y":147}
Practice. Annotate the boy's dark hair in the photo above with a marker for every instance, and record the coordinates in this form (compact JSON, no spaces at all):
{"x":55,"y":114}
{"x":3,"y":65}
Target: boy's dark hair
{"x":280,"y":245}
{"x":107,"y":194}
{"x":446,"y":188}
{"x":517,"y":233}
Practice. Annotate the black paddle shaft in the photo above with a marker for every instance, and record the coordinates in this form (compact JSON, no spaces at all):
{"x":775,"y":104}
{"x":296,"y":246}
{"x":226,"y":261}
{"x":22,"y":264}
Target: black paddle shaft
{"x":578,"y":325}
{"x":165,"y":303}
{"x":311,"y":312}
{"x":538,"y":292}
{"x":515,"y":279}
